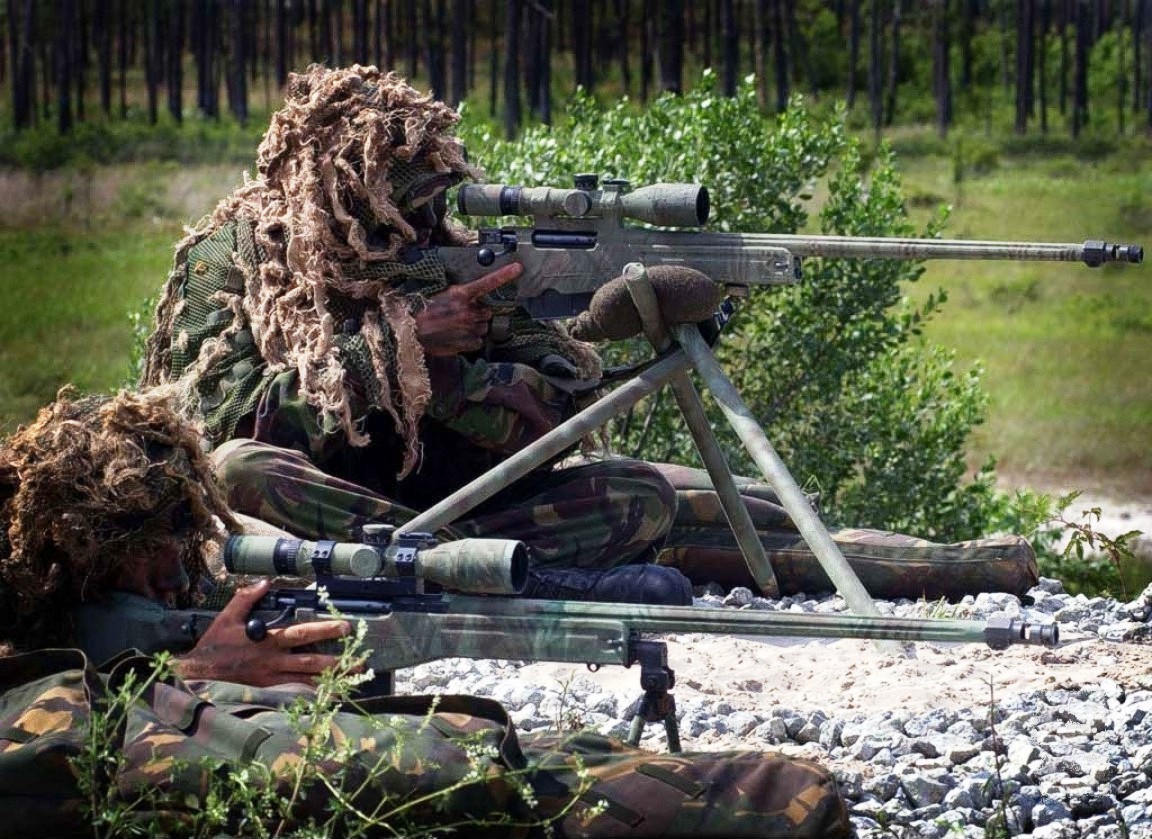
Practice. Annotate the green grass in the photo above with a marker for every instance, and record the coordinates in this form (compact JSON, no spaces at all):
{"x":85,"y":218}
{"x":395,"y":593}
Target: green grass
{"x":1066,"y":347}
{"x":64,"y":318}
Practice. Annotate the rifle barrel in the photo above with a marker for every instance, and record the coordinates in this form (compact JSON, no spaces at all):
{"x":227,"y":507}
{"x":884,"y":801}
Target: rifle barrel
{"x":1092,"y":252}
{"x":998,"y":631}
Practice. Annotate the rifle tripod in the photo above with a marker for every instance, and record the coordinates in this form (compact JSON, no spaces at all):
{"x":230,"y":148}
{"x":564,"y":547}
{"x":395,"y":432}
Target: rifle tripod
{"x":678,"y":349}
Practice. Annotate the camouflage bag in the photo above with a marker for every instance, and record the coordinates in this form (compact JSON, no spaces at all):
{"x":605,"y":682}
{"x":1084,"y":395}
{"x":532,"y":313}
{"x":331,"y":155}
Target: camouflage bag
{"x":45,"y":701}
{"x":435,"y":761}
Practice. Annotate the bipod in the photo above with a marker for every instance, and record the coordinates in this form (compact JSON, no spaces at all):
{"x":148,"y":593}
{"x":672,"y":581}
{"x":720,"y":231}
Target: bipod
{"x":656,"y":704}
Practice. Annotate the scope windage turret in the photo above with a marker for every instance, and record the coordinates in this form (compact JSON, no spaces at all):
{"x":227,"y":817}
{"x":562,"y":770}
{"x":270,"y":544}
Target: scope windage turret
{"x":664,"y":205}
{"x":480,"y":566}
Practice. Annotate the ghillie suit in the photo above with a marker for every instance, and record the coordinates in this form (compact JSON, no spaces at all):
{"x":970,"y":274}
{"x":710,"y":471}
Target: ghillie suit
{"x":91,"y":486}
{"x":290,"y":316}
{"x":313,"y":267}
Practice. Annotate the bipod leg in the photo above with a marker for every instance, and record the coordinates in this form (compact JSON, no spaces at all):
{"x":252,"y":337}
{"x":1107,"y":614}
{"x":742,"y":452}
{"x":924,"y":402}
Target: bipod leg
{"x":778,"y":477}
{"x":540,"y":451}
{"x":657,"y":704}
{"x":692,"y":409}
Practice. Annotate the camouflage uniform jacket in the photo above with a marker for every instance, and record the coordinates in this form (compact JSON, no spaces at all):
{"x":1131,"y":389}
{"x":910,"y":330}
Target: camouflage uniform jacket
{"x":480,"y":410}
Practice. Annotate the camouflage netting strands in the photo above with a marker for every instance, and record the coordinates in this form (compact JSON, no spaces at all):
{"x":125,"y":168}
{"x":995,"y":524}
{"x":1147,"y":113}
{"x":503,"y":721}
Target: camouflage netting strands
{"x":348,"y":155}
{"x":91,"y":487}
{"x":313,"y":267}
{"x":414,"y":762}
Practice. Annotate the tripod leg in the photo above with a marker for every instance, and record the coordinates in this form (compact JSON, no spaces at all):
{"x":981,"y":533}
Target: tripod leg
{"x":568,"y":433}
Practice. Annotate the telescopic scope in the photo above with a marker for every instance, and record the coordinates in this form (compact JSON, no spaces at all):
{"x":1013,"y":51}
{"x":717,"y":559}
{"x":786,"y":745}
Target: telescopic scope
{"x":664,"y":205}
{"x":480,"y":566}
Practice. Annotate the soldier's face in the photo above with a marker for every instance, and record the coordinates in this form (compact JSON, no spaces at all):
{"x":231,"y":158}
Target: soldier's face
{"x":159,"y":575}
{"x":426,"y":218}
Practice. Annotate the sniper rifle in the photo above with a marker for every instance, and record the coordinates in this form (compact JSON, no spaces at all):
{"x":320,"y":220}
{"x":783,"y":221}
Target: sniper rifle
{"x":421,"y":601}
{"x":579,"y":240}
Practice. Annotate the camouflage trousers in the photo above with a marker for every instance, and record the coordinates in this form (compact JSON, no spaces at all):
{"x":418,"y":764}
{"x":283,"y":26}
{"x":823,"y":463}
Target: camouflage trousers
{"x":393,"y":765}
{"x":609,"y":512}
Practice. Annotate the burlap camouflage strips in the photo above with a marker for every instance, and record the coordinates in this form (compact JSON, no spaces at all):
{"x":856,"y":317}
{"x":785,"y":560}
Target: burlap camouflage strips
{"x":412,"y":761}
{"x":610,"y":512}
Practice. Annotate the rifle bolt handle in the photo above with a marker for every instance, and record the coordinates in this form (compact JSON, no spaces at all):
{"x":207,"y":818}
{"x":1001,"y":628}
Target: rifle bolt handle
{"x":485,"y":256}
{"x":256,"y":629}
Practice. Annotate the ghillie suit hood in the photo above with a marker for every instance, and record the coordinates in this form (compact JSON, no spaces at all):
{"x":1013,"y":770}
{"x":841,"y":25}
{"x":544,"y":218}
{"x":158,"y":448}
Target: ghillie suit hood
{"x":89,"y":488}
{"x":334,"y":276}
{"x":350,"y":153}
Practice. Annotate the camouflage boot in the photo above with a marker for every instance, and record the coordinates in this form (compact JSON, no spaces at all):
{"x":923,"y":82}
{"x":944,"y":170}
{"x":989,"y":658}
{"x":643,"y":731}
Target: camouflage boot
{"x":655,"y":585}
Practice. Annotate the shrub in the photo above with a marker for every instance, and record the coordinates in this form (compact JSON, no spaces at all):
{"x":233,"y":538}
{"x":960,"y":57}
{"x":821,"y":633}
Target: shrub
{"x":835,"y":369}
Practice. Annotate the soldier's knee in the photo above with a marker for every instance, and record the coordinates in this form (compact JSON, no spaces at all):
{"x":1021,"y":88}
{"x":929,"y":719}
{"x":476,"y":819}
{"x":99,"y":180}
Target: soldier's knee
{"x":242,"y":462}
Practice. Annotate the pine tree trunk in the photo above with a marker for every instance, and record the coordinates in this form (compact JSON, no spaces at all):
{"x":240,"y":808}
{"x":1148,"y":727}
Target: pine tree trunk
{"x":730,"y":33}
{"x":1042,"y":62}
{"x":646,"y":42}
{"x":512,"y":118}
{"x":63,"y":62}
{"x":461,"y":24}
{"x":875,"y":67}
{"x":360,"y":31}
{"x":1080,"y":71}
{"x":893,"y":64}
{"x":152,"y":59}
{"x":238,"y":61}
{"x":853,"y":51}
{"x":942,"y":66}
{"x":103,"y":34}
{"x":780,"y":51}
{"x":22,"y":24}
{"x":670,"y":47}
{"x":582,"y":44}
{"x":1025,"y":35}
{"x":623,"y":47}
{"x":175,"y":53}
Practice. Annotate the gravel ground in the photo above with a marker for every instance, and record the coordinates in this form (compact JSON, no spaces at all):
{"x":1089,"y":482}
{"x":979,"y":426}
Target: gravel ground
{"x":953,"y":740}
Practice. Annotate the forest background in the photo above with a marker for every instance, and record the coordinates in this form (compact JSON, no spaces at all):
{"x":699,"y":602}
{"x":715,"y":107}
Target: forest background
{"x":122,"y":120}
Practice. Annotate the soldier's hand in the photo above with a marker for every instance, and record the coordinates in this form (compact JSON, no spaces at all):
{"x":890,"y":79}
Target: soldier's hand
{"x":225,"y":652}
{"x":456,"y":319}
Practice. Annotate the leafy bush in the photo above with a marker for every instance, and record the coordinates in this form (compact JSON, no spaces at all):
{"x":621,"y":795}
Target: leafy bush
{"x":835,"y":367}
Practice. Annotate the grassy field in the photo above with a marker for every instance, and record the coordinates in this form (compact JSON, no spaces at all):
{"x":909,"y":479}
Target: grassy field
{"x":79,"y":253}
{"x":1066,"y":348}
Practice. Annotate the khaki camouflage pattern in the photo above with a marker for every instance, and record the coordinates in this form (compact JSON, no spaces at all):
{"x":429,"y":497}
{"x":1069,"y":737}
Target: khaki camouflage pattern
{"x":607,"y":513}
{"x":731,"y":794}
{"x":889,"y":565}
{"x":594,"y":515}
{"x":208,"y":271}
{"x":398,"y":749}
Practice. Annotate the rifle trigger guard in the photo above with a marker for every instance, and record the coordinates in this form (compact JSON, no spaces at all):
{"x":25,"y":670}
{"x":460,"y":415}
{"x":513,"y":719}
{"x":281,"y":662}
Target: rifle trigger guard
{"x":257,"y":628}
